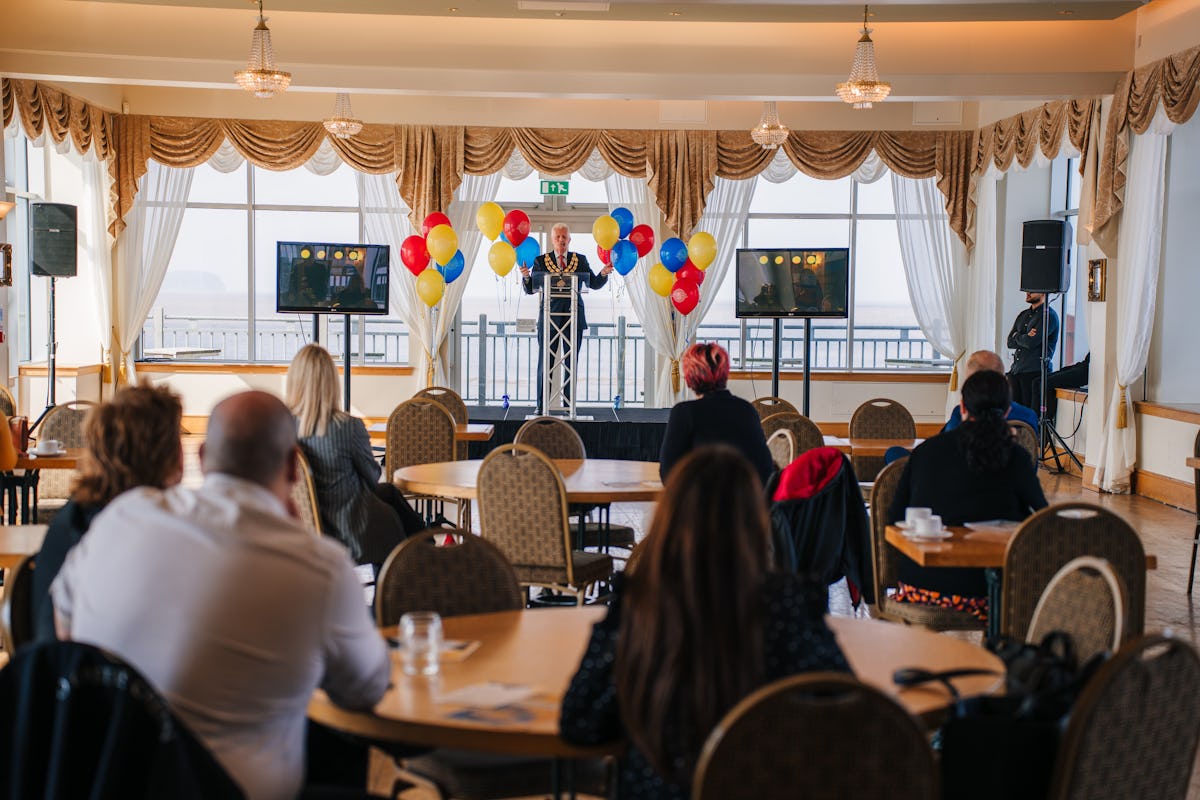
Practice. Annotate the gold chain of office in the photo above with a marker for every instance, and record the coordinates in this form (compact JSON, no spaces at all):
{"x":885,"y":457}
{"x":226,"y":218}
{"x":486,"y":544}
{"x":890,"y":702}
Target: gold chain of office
{"x":571,"y":265}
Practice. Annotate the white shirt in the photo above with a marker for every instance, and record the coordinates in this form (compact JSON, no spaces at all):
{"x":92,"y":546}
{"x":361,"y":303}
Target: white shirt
{"x":234,"y":612}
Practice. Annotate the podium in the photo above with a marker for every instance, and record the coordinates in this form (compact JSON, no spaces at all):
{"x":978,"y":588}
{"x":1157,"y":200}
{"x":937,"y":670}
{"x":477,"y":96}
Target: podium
{"x":560,"y":330}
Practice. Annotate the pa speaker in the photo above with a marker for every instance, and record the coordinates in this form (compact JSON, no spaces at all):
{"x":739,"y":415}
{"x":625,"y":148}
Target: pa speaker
{"x":52,"y":240}
{"x":1044,"y":256}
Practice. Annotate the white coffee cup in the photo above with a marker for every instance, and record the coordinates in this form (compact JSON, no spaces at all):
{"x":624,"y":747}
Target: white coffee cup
{"x":926,"y":526}
{"x":912,"y":515}
{"x":48,"y":446}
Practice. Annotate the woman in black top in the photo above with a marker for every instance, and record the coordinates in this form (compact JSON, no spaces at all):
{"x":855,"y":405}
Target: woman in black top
{"x":975,"y":472}
{"x":716,"y":416}
{"x":697,"y":624}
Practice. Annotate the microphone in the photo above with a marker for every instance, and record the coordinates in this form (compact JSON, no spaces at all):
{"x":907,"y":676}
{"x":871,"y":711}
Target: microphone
{"x":504,"y":402}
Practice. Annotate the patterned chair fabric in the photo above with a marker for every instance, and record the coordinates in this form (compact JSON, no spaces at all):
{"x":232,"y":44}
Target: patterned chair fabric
{"x":64,"y":423}
{"x":1085,"y":600}
{"x":304,"y":494}
{"x":553,"y":436}
{"x":470,"y":576}
{"x":766,"y":406}
{"x":8,"y":405}
{"x":782,"y":444}
{"x":523,"y":511}
{"x":1050,"y":539}
{"x":450,"y":400}
{"x":17,"y":611}
{"x":887,"y":566}
{"x":855,"y":741}
{"x":1025,"y":436}
{"x":806,"y":433}
{"x":419,"y":431}
{"x":879,"y":419}
{"x":1134,"y":730}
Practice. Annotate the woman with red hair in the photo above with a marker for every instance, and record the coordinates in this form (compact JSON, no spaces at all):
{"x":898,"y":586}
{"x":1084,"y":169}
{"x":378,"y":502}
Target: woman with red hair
{"x":716,"y":416}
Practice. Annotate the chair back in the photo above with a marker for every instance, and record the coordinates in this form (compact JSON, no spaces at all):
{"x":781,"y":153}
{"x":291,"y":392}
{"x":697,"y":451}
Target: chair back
{"x":819,"y":735}
{"x":553,"y":436}
{"x":884,"y":557}
{"x":1024,"y":435}
{"x":523,"y":509}
{"x":766,"y":406}
{"x":8,"y":404}
{"x":82,"y":723}
{"x":452,"y":402}
{"x":879,"y":419}
{"x":806,"y":433}
{"x":17,"y":611}
{"x":1134,"y":730}
{"x":782,"y":444}
{"x":1050,"y":539}
{"x":419,"y":431}
{"x":1084,"y":599}
{"x":469,"y":576}
{"x":64,"y":423}
{"x":304,"y":494}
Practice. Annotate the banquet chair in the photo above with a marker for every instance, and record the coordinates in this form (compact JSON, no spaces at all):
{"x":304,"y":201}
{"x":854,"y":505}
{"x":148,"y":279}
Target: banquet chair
{"x":421,"y":431}
{"x":1027,"y":437}
{"x":782,"y":444}
{"x":879,"y":419}
{"x":1134,"y":730}
{"x":805,"y":431}
{"x":64,"y":423}
{"x":82,"y":723}
{"x":523,"y":511}
{"x":819,"y":735}
{"x":8,"y":405}
{"x":1051,"y":538}
{"x":452,"y":402}
{"x":16,"y":615}
{"x":1085,"y":600}
{"x":1196,"y":533}
{"x":304,"y":494}
{"x":766,"y":406}
{"x":886,"y":560}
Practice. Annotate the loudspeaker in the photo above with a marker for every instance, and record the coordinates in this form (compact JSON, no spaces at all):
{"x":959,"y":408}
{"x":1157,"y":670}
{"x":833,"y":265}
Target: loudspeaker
{"x":52,"y":240}
{"x":1044,"y":256}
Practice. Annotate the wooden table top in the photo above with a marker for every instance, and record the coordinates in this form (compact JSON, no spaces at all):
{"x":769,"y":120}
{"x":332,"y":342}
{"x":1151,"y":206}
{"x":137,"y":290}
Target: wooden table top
{"x":965,"y":548}
{"x":542,"y":649}
{"x":464,"y":432}
{"x":66,"y":461}
{"x":1193,"y":462}
{"x":593,"y":480}
{"x":18,"y":541}
{"x":869,"y":447}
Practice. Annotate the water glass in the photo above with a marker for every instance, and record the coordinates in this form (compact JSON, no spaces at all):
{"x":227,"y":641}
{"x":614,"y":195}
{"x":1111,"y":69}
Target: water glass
{"x":420,"y":642}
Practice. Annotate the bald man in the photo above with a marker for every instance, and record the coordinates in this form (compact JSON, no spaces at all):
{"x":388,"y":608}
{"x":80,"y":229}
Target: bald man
{"x":982,"y":360}
{"x":226,"y":603}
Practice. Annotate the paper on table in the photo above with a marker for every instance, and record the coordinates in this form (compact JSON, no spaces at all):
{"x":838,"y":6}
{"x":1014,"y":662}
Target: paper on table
{"x":488,"y":695}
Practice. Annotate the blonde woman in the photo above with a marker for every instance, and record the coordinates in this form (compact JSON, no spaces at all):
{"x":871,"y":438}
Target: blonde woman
{"x":369,"y":517}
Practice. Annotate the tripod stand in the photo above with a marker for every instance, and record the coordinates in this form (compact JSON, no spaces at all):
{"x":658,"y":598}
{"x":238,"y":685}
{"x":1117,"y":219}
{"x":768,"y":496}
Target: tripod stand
{"x":51,"y":351}
{"x":1046,"y":430}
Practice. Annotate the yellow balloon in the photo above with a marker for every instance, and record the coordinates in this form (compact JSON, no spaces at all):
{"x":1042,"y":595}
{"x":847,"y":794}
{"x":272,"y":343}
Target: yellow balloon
{"x":702,"y":249}
{"x":490,"y":220}
{"x":606,"y":232}
{"x":430,"y":286}
{"x":502,"y":257}
{"x":442,"y":242}
{"x":661,"y":280}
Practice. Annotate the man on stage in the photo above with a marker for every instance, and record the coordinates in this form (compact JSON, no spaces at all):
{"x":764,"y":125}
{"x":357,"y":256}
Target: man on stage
{"x":558,"y":262}
{"x":1025,"y":340}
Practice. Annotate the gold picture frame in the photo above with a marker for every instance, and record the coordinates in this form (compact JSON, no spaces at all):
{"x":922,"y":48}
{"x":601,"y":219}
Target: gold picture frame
{"x":1097,"y":268}
{"x":5,"y":264}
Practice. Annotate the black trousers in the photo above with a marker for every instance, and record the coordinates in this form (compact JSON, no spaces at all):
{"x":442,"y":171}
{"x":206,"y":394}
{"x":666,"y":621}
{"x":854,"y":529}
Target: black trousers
{"x":555,"y":358}
{"x":1027,"y":390}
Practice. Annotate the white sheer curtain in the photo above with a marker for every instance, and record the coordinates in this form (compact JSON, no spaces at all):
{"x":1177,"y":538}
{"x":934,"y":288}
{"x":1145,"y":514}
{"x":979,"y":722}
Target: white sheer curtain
{"x":1137,"y":267}
{"x":983,"y":269}
{"x":95,"y":245}
{"x":474,"y":191}
{"x":142,"y":255}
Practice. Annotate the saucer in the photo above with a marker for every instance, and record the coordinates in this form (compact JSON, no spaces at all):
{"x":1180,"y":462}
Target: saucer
{"x":941,"y":533}
{"x":48,"y":453}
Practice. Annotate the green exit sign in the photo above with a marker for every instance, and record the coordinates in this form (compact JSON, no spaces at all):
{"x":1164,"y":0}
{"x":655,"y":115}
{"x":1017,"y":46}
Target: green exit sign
{"x":555,"y":187}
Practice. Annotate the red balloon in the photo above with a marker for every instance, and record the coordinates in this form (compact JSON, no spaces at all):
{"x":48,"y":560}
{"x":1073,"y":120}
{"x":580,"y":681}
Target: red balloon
{"x":605,"y":256}
{"x":685,"y":296}
{"x":690,"y":272}
{"x":642,"y":237}
{"x":432,"y":221}
{"x":415,"y":254}
{"x":516,"y":227}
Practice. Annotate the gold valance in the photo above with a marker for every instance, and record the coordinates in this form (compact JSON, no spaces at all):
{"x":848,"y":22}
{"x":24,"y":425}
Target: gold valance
{"x":46,"y":110}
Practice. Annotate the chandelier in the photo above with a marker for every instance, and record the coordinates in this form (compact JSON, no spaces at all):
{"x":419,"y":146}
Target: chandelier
{"x":863,"y":87}
{"x":260,"y":75}
{"x":342,"y":124}
{"x":769,"y":132}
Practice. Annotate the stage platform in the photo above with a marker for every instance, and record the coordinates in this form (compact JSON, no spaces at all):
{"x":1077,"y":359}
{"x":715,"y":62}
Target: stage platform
{"x":633,"y":434}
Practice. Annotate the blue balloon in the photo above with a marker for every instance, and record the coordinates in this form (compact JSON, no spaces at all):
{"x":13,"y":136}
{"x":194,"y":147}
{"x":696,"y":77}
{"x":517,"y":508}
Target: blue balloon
{"x":624,"y":218}
{"x":454,"y":267}
{"x":504,"y":238}
{"x":673,"y":253}
{"x":624,"y":256}
{"x":527,"y":251}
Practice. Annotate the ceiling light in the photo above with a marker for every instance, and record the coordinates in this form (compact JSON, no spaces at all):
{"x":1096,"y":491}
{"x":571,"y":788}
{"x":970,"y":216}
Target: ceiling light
{"x":863,"y":87}
{"x":342,"y":124}
{"x":260,"y":75}
{"x":769,"y":132}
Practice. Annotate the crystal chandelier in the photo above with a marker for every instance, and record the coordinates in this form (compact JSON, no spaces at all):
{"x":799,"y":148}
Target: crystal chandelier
{"x":342,"y":124}
{"x":863,"y":87}
{"x":260,"y":75}
{"x":769,"y":132}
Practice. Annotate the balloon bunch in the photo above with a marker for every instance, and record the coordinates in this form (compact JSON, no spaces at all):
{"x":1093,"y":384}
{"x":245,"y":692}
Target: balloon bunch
{"x":438,"y":242}
{"x":510,"y":232}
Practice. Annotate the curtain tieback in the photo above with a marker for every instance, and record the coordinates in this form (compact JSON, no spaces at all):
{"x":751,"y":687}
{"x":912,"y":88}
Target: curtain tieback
{"x":675,"y":375}
{"x":954,"y":372}
{"x":1122,"y":414}
{"x":429,"y":367}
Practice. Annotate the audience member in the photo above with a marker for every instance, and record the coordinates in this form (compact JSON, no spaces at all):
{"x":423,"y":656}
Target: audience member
{"x":369,"y":517}
{"x":133,"y":440}
{"x":975,"y":472}
{"x":716,"y":416}
{"x":226,"y":603}
{"x":698,"y":622}
{"x":988,"y":360}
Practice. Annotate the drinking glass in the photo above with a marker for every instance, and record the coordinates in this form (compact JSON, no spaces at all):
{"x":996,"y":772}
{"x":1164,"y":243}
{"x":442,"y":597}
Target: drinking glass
{"x":420,"y":642}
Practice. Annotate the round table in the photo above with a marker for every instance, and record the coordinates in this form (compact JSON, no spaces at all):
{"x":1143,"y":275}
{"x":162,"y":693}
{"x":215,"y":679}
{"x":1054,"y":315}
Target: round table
{"x":592,"y":480}
{"x":542,"y":648}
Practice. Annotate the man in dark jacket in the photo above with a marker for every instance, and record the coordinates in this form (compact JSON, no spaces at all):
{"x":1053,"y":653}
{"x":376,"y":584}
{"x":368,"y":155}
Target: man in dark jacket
{"x":1025,"y":340}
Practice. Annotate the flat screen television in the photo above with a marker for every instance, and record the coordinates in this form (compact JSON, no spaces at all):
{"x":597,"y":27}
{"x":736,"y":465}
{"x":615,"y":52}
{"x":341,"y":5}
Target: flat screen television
{"x":793,"y":282}
{"x":331,"y":278}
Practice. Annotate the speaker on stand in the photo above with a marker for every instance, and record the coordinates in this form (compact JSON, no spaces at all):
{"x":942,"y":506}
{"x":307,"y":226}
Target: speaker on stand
{"x":53,"y":245}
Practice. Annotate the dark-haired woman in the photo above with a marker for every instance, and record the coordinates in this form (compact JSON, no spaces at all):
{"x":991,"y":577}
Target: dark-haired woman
{"x":697,"y":622}
{"x":975,"y":472}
